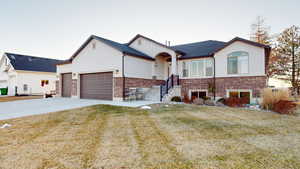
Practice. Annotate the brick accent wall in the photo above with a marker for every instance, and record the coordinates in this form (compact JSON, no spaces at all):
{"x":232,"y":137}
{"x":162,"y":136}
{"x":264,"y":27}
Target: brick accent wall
{"x":74,"y":87}
{"x":254,"y":83}
{"x":57,"y":88}
{"x":133,"y":82}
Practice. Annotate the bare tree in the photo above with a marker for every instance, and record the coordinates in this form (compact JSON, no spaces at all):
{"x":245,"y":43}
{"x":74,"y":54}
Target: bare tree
{"x":260,"y":32}
{"x":288,"y":52}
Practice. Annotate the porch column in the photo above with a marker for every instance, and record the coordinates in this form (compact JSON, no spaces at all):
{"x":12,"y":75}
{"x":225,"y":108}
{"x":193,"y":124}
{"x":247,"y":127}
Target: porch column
{"x":174,"y":64}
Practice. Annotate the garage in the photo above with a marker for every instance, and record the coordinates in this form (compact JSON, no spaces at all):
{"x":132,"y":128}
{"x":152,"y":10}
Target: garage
{"x":96,"y":86}
{"x":66,"y":84}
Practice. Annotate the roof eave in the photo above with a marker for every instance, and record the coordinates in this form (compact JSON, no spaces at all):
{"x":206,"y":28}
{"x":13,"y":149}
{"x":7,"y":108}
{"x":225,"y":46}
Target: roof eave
{"x":139,"y":56}
{"x":139,"y":35}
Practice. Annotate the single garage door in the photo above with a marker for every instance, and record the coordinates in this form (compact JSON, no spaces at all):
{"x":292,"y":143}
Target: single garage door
{"x":96,"y":86}
{"x":66,"y":84}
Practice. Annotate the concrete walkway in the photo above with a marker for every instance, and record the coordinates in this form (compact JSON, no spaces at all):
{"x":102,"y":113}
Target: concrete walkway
{"x":23,"y":108}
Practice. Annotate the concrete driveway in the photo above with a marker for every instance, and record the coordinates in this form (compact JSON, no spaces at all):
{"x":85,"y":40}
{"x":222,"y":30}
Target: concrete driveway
{"x":22,"y":108}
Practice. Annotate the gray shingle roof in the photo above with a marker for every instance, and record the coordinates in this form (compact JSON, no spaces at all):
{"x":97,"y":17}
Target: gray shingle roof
{"x":122,"y":47}
{"x":199,"y":49}
{"x":32,"y":63}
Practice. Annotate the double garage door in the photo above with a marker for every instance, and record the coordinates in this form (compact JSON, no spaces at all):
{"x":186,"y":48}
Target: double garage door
{"x":95,"y":86}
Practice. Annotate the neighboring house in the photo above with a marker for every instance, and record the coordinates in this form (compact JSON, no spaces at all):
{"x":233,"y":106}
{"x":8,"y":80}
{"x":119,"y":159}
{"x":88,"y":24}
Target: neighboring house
{"x":27,"y":75}
{"x":104,"y":69}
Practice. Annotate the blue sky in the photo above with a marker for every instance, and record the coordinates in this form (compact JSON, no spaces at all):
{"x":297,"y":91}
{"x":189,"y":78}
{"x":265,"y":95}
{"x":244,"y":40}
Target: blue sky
{"x":56,"y":28}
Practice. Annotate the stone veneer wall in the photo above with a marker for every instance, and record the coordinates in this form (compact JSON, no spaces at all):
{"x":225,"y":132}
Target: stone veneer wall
{"x":254,"y":83}
{"x":57,"y":90}
{"x":133,"y":82}
{"x":74,"y":87}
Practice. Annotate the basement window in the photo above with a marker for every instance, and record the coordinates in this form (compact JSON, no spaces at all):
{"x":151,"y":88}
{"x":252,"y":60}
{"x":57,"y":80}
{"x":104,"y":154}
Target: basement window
{"x":240,"y":94}
{"x":198,"y":94}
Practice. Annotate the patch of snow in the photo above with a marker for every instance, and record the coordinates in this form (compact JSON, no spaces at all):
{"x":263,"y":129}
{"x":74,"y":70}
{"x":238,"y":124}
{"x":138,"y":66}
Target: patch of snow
{"x":146,"y":107}
{"x":5,"y":126}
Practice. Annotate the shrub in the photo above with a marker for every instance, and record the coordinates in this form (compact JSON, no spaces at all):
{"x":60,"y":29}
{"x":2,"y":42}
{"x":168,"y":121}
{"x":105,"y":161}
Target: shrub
{"x":235,"y":101}
{"x":176,"y":99}
{"x":198,"y":101}
{"x":186,"y":99}
{"x":270,"y":97}
{"x":206,"y":98}
{"x":284,"y":107}
{"x":221,"y":100}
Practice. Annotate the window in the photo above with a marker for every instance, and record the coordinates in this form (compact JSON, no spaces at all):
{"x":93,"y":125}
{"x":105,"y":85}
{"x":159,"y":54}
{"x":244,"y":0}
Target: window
{"x":197,"y":68}
{"x":25,"y":87}
{"x":198,"y":94}
{"x":240,"y":94}
{"x":44,"y":82}
{"x":139,"y":41}
{"x":209,"y":67}
{"x":185,"y":71}
{"x":238,"y":63}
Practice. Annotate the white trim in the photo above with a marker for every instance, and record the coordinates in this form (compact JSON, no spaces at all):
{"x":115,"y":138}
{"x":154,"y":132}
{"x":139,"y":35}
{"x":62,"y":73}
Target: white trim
{"x":239,"y":90}
{"x":197,"y":90}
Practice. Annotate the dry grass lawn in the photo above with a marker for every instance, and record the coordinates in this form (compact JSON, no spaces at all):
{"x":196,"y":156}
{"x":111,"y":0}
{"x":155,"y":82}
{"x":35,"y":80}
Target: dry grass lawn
{"x":14,"y":98}
{"x":177,"y":136}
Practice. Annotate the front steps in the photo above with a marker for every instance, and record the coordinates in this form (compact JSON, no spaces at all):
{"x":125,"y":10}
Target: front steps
{"x":153,"y":94}
{"x":175,"y":91}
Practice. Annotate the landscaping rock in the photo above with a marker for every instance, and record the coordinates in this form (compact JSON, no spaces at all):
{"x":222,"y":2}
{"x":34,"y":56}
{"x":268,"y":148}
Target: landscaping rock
{"x":198,"y":101}
{"x":219,"y":104}
{"x":209,"y":102}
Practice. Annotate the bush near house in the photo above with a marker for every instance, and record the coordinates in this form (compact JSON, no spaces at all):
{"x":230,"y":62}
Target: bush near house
{"x":176,"y":99}
{"x":285,"y":107}
{"x":270,"y":97}
{"x":278,"y":101}
{"x":186,"y":99}
{"x":235,"y":101}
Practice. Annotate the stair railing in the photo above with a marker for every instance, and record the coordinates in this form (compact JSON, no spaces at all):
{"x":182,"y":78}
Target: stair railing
{"x":169,"y":84}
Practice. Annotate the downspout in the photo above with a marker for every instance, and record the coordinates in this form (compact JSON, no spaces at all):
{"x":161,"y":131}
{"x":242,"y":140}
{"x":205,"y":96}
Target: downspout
{"x":123,"y":75}
{"x":214,"y":91}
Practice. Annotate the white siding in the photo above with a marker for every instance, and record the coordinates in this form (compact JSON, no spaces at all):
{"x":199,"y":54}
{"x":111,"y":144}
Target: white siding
{"x":138,"y":68}
{"x":150,"y":48}
{"x":65,"y":68}
{"x":33,"y":80}
{"x":102,"y":58}
{"x":256,"y":59}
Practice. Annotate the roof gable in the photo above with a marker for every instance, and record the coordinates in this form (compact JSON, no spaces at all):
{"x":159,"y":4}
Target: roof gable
{"x":153,"y":41}
{"x":32,"y":63}
{"x":124,"y":48}
{"x":249,"y":42}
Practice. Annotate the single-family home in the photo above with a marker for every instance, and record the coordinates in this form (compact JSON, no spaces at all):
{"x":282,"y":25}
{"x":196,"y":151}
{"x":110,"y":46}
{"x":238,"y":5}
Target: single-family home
{"x":27,"y":75}
{"x":105,"y":69}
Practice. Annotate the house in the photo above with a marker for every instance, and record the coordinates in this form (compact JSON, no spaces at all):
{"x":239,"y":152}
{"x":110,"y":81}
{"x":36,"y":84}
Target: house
{"x":104,"y":69}
{"x":27,"y":75}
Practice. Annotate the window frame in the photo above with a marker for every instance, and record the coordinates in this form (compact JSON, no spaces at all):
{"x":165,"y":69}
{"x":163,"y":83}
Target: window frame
{"x":189,"y":71}
{"x":239,"y":92}
{"x":238,"y":68}
{"x":197,"y":90}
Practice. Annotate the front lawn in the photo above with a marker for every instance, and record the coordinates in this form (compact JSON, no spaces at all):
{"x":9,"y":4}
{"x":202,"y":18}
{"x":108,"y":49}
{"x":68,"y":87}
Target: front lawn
{"x":174,"y":136}
{"x":14,"y":98}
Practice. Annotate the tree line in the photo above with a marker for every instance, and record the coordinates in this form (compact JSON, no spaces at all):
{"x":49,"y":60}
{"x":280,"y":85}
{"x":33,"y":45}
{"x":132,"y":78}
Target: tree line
{"x":284,"y":61}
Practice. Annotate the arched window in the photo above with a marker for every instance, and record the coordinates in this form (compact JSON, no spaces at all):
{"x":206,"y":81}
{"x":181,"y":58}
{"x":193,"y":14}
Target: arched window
{"x":238,"y":62}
